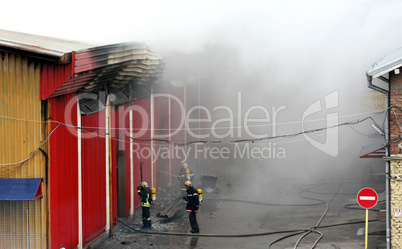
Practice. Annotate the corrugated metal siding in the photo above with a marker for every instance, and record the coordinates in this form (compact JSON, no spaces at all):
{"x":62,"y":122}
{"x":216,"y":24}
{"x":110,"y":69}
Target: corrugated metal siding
{"x":93,"y":176}
{"x":162,"y":129}
{"x":142,"y":149}
{"x":176,"y":117}
{"x":21,"y":134}
{"x":124,"y":122}
{"x":114,"y":138}
{"x":54,"y":76}
{"x":64,"y":174}
{"x":15,"y":235}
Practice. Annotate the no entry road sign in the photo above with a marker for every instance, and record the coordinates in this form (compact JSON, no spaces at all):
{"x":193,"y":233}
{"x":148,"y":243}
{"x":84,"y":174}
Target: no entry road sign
{"x":367,"y":198}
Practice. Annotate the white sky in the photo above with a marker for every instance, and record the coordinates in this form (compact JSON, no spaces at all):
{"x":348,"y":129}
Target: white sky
{"x":187,"y":24}
{"x":314,"y":46}
{"x":298,"y":36}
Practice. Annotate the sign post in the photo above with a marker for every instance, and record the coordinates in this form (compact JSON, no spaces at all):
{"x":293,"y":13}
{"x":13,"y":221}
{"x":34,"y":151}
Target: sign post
{"x":367,"y":198}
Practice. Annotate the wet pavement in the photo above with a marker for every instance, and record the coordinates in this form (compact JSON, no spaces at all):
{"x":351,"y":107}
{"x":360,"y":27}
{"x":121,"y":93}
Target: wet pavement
{"x":328,"y":208}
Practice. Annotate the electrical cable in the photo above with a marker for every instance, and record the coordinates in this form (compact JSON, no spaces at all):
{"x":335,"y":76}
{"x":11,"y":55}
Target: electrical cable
{"x":213,"y":141}
{"x":226,"y":141}
{"x":5,"y":169}
{"x":195,"y":141}
{"x":201,"y":141}
{"x":366,"y":135}
{"x":199,"y":128}
{"x":397,"y":120}
{"x":33,"y":153}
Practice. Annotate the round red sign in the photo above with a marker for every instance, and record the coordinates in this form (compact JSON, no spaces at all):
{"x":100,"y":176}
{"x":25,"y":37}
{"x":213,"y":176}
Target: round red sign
{"x":367,"y":198}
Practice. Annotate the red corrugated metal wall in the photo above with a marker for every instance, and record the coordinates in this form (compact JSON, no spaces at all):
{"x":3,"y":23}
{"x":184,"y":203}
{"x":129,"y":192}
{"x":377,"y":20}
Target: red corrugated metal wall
{"x":123,"y":118}
{"x":114,"y":139}
{"x":53,"y":76}
{"x":176,"y":119}
{"x":155,"y":148}
{"x":142,"y":149}
{"x":63,"y":173}
{"x":93,"y":176}
{"x":162,"y":122}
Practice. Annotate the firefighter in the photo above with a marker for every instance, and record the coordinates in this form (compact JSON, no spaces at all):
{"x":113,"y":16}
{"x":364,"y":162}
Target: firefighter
{"x":192,"y":206}
{"x":146,"y":200}
{"x":185,"y":174}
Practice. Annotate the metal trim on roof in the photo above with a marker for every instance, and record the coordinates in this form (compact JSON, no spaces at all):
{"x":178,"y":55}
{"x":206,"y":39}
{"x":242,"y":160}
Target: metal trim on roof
{"x":386,"y":64}
{"x":116,"y":65}
{"x":50,"y":47}
{"x":87,"y":68}
{"x":20,"y":189}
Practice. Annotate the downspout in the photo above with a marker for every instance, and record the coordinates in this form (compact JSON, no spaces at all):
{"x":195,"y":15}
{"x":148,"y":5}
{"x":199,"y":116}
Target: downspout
{"x":109,"y":225}
{"x":152,"y":110}
{"x":170,"y":138}
{"x":185,"y":109}
{"x":387,"y":154}
{"x":47,"y":196}
{"x":131,"y":160}
{"x":79,"y":134}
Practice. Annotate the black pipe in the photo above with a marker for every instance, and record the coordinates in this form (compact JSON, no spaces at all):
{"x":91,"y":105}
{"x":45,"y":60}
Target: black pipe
{"x":47,"y":194}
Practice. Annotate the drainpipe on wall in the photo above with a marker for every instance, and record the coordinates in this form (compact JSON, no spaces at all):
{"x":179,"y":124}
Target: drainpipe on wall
{"x":109,"y":225}
{"x":152,"y":110}
{"x":170,"y":144}
{"x":80,"y":230}
{"x":387,"y":154}
{"x":185,"y":110}
{"x":131,"y":161}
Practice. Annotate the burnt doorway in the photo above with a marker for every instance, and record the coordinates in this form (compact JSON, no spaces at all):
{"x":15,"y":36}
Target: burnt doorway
{"x":121,"y":185}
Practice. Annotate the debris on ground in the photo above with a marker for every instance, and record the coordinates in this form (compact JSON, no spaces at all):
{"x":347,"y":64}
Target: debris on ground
{"x":208,"y":183}
{"x":174,"y":210}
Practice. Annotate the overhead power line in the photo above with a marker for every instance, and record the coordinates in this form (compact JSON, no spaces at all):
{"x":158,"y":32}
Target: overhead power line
{"x":249,"y":140}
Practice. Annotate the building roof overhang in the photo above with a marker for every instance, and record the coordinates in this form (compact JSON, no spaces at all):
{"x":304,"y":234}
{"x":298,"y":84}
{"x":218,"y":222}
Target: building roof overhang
{"x":119,"y":68}
{"x":373,"y":150}
{"x":388,"y":63}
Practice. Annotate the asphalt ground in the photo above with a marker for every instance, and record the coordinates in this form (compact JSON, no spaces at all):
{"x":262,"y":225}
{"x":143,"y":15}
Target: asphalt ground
{"x":323,"y":214}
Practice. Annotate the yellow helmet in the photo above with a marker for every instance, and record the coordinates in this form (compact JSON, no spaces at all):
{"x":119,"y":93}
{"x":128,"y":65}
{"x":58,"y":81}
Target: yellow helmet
{"x":185,"y":165}
{"x":144,"y":184}
{"x":188,"y":184}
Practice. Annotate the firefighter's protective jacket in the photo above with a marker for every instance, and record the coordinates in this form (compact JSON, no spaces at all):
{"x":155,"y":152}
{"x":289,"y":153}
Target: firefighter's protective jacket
{"x":193,"y":201}
{"x":145,"y":194}
{"x":183,"y":175}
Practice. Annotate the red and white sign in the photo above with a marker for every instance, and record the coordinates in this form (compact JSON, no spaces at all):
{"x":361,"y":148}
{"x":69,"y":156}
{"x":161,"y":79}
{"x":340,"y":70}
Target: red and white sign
{"x":367,"y":198}
{"x":398,"y":212}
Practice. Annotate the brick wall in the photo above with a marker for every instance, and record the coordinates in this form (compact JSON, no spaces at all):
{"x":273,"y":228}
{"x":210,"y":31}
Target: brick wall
{"x":395,"y":125}
{"x":395,"y":112}
{"x":396,"y":202}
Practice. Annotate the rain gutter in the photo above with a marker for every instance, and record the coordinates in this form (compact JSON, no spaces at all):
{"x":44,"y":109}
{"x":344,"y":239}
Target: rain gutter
{"x":387,"y":154}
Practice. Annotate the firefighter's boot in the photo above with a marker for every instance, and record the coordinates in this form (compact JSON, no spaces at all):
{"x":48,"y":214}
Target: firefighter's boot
{"x":144,"y":223}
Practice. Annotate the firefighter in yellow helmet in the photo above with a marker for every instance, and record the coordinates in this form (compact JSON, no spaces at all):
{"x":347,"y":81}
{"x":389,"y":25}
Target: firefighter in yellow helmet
{"x":146,"y":200}
{"x":185,"y":174}
{"x":193,"y":203}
